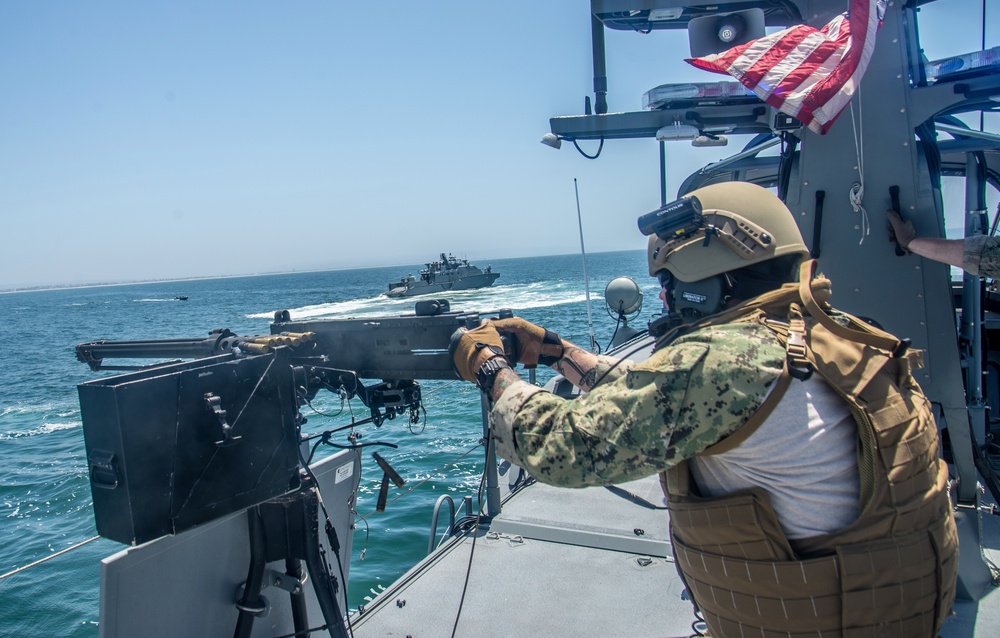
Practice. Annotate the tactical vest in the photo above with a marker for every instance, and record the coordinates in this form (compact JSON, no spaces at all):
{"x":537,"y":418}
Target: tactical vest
{"x":890,"y":573}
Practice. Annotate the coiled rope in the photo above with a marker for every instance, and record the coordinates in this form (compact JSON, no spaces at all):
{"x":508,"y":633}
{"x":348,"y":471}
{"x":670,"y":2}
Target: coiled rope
{"x":857,"y":192}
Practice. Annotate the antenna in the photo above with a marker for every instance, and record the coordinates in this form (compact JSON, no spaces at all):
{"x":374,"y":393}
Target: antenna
{"x":586,"y":280}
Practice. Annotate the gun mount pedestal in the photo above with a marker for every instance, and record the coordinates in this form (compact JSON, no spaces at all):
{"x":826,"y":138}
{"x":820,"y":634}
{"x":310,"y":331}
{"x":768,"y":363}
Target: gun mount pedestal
{"x":288,"y":528}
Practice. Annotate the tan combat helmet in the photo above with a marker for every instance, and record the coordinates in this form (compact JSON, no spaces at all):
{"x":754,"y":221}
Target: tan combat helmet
{"x":744,"y":223}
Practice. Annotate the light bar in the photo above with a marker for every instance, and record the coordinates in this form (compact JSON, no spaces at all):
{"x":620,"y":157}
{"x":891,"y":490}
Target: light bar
{"x":703,"y":92}
{"x":975,"y":63}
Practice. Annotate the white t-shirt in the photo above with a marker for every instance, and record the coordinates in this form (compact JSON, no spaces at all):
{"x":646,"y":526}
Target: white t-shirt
{"x":804,"y":455}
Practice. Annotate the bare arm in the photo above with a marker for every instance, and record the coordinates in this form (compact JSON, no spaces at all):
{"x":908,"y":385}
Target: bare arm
{"x":972,"y":254}
{"x":949,"y":251}
{"x":505,"y":378}
{"x":578,"y":366}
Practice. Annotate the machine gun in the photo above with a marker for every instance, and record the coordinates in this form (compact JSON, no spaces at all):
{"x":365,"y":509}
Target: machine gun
{"x":403,"y":347}
{"x":334,"y":353}
{"x":177,"y":444}
{"x":231,"y":414}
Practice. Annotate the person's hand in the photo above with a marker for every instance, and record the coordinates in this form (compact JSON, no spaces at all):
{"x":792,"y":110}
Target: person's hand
{"x":470,"y":349}
{"x":902,"y":231}
{"x":532,"y":344}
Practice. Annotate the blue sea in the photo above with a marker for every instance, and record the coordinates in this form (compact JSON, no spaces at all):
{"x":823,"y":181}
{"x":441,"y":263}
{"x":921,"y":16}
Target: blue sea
{"x":45,"y":499}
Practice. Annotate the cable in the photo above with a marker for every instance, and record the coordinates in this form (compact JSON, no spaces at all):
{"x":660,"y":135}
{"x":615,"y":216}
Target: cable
{"x":424,"y":410}
{"x":364,"y":549}
{"x":328,"y":527}
{"x":252,"y":392}
{"x":472,"y":552}
{"x":618,"y":324}
{"x":343,"y":400}
{"x":340,"y":568}
{"x":423,"y":426}
{"x":595,"y":155}
{"x":48,"y":558}
{"x":442,"y":387}
{"x":356,"y":446}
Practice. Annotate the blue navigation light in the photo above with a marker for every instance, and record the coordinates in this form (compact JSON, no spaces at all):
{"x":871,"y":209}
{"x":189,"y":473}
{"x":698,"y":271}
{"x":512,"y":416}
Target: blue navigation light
{"x":975,"y":63}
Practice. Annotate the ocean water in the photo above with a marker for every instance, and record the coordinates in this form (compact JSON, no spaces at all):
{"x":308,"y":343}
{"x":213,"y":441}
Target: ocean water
{"x":45,"y":499}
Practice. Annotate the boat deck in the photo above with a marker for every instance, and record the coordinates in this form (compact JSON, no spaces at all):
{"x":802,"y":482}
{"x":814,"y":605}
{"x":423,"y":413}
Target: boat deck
{"x":555,"y":562}
{"x":589,"y":562}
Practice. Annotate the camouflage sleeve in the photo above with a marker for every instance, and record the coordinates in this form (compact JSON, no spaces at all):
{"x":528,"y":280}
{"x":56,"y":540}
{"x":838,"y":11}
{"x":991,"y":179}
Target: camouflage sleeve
{"x":610,"y":368}
{"x":981,"y":256}
{"x":652,"y":415}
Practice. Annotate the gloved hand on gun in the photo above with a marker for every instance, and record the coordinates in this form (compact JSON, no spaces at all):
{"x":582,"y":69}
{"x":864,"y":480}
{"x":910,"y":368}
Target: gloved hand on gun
{"x":484,"y":355}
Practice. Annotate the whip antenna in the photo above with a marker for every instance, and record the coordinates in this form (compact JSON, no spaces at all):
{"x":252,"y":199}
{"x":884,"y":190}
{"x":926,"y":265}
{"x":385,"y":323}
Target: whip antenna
{"x":586,"y":280}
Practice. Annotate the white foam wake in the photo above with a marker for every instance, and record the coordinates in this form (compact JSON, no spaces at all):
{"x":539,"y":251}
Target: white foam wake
{"x":515,"y":296}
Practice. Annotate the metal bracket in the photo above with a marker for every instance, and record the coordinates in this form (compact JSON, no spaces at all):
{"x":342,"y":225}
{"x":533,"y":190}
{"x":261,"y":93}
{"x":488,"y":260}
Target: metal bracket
{"x":214,"y":404}
{"x":284,"y":581}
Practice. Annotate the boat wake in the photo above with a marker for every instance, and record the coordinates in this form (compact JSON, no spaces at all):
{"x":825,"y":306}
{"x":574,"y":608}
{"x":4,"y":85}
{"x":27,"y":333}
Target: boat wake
{"x":514,"y":296}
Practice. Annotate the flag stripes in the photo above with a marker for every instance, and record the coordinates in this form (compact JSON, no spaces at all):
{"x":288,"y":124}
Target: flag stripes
{"x":807,"y":73}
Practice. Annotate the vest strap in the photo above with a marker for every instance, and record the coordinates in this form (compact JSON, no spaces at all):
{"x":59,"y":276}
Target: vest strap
{"x":797,"y":358}
{"x":865,"y":334}
{"x":757,"y":418}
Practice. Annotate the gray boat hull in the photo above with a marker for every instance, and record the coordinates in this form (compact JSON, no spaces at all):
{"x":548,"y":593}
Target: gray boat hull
{"x":471,"y":282}
{"x":446,"y":275}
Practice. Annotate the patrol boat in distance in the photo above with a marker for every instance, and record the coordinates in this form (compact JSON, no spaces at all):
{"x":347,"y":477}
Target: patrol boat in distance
{"x":449,"y":273}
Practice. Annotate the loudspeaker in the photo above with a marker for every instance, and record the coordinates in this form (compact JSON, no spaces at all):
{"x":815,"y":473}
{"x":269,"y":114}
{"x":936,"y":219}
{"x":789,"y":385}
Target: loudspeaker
{"x":717,"y":33}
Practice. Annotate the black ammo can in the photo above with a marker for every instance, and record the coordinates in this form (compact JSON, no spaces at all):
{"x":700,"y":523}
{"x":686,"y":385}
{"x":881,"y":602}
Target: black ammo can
{"x":174,"y":446}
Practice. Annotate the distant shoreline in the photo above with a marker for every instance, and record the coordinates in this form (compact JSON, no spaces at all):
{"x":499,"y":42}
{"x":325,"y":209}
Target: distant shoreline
{"x":144,"y":282}
{"x":50,"y":288}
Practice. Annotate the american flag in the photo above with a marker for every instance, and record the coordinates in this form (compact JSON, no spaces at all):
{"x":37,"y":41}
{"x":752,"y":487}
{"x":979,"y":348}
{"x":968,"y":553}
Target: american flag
{"x":803,"y":72}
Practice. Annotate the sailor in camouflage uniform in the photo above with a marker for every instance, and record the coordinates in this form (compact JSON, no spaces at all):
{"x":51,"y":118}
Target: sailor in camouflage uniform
{"x":800,"y":503}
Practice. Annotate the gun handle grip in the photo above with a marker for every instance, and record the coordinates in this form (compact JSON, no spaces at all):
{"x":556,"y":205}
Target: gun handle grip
{"x":509,"y":340}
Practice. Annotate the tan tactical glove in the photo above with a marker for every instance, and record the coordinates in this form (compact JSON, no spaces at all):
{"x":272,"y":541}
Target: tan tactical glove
{"x":902,"y":232}
{"x":470,"y":349}
{"x":532,"y":344}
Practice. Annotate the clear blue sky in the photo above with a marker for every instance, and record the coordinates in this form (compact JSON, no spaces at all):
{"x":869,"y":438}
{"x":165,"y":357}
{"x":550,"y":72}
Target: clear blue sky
{"x":144,"y":140}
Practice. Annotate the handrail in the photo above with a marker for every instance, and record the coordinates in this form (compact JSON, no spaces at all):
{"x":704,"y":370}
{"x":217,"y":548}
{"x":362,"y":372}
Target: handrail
{"x":434,"y":520}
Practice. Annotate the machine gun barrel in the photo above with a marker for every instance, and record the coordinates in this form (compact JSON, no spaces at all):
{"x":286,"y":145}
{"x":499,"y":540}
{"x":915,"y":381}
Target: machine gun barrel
{"x":219,"y":341}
